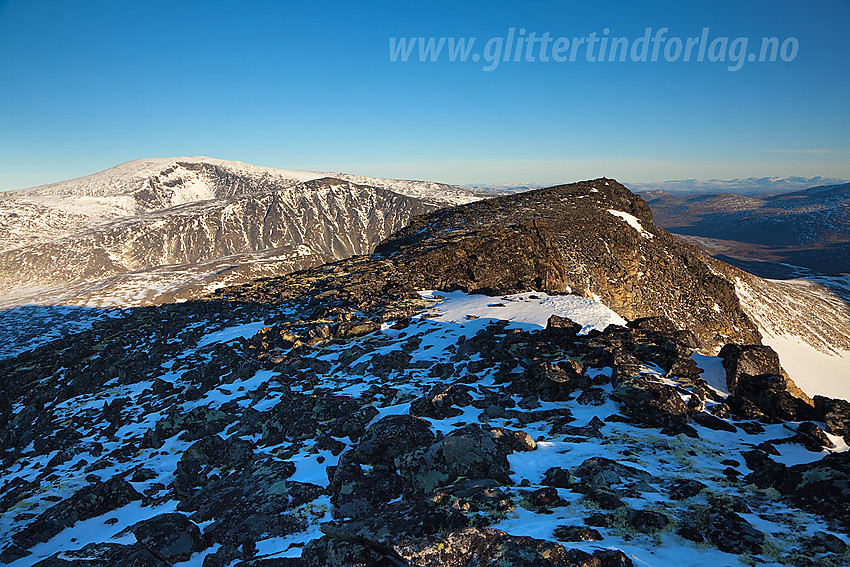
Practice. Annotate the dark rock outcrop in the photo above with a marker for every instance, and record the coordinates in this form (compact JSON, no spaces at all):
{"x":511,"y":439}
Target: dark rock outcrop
{"x":169,"y":537}
{"x":589,"y":251}
{"x":753,"y":373}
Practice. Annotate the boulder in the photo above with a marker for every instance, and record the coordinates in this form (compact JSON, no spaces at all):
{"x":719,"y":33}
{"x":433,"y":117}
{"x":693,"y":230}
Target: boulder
{"x":753,"y":372}
{"x":256,"y":500}
{"x":442,"y":401}
{"x":484,"y":547}
{"x":391,"y":437}
{"x":651,"y":403}
{"x":722,"y":527}
{"x":474,"y":452}
{"x":171,"y":537}
{"x":105,"y":555}
{"x":835,"y":413}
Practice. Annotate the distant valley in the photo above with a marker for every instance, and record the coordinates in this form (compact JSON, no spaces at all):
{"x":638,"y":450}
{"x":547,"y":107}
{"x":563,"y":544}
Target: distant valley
{"x":785,"y":235}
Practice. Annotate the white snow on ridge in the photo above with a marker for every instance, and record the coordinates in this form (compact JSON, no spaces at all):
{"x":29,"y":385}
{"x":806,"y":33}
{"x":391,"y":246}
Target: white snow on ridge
{"x":632,"y":222}
{"x":525,"y":310}
{"x":816,"y":373}
{"x":150,"y":186}
{"x":125,"y":178}
{"x":435,"y":192}
{"x":108,"y":193}
{"x":811,"y":351}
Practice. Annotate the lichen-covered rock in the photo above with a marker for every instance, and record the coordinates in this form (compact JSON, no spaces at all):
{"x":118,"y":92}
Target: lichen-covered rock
{"x":551,"y":381}
{"x":723,"y":528}
{"x":577,"y":533}
{"x":836,"y":415}
{"x":209,"y":453}
{"x":391,"y":437}
{"x":249,"y":503}
{"x":480,"y":548}
{"x":442,"y":401}
{"x":753,"y":372}
{"x":557,"y":477}
{"x":473,"y":452}
{"x":651,"y":403}
{"x":105,"y":555}
{"x":366,"y":476}
{"x":359,"y":490}
{"x":750,"y":360}
{"x":813,"y":437}
{"x":685,"y":488}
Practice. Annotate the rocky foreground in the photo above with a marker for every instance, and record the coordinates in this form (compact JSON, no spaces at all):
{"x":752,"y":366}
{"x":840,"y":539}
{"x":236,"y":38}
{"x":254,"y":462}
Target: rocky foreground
{"x":376,"y":411}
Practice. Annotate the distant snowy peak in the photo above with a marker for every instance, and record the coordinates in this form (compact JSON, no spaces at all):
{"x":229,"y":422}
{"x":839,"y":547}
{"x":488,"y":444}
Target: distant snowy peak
{"x":132,"y":176}
{"x":142,"y":186}
{"x":430,"y":191}
{"x":145,"y":185}
{"x":151,"y":186}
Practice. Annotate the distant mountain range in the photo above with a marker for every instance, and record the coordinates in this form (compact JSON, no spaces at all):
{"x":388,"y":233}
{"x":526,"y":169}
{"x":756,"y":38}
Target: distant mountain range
{"x":771,"y":235}
{"x":744,"y":186}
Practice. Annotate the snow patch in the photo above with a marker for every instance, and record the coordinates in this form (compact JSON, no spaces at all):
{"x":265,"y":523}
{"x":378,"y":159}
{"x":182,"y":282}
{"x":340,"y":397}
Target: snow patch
{"x":713,"y":372}
{"x":226,"y":335}
{"x":526,"y":309}
{"x":632,"y":222}
{"x":814,"y":371}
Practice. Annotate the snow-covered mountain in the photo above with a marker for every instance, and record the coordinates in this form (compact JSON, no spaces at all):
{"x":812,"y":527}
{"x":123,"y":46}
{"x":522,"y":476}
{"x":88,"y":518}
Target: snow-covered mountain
{"x":320,"y":219}
{"x":146,"y":185}
{"x":123,"y":236}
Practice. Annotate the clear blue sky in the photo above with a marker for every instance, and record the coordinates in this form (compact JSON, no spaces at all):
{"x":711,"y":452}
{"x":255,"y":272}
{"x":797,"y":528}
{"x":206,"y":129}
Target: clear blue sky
{"x":310,"y":85}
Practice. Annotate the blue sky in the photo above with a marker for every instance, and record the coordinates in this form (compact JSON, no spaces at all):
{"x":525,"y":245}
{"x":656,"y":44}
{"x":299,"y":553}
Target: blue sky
{"x":310,"y":85}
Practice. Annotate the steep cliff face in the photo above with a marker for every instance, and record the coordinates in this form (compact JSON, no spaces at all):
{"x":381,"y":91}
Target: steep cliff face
{"x":127,"y":235}
{"x":320,"y":219}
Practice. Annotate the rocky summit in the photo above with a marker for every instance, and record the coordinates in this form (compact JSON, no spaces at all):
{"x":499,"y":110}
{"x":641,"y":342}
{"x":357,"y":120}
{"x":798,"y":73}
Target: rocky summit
{"x":539,"y":379}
